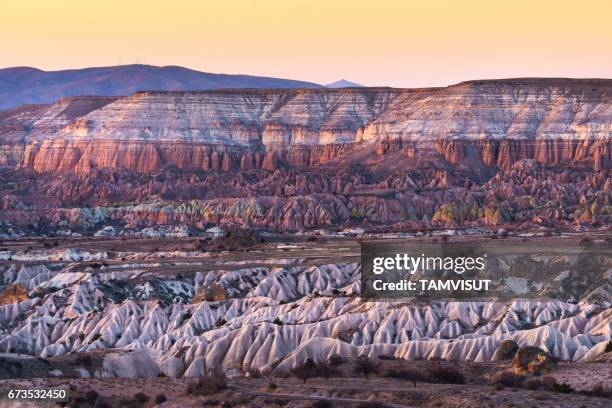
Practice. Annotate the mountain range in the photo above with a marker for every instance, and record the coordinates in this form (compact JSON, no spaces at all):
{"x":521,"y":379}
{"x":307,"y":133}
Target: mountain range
{"x":26,"y":85}
{"x":343,"y":83}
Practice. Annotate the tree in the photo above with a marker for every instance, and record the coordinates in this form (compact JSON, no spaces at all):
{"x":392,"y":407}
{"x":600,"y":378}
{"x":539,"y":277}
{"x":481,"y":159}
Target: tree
{"x":366,"y":366}
{"x":330,"y":367}
{"x":306,"y":370}
{"x":412,"y":375}
{"x":336,"y":360}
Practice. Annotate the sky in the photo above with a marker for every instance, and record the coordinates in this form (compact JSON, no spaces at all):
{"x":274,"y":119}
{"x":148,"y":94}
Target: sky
{"x":379,"y":42}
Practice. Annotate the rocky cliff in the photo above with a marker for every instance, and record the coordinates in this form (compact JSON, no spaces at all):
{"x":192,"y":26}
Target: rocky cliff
{"x":479,"y":123}
{"x":477,"y":153}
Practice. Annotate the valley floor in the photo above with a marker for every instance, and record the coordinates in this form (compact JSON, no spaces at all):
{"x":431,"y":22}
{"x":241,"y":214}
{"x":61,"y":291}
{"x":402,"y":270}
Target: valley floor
{"x":350,"y":391}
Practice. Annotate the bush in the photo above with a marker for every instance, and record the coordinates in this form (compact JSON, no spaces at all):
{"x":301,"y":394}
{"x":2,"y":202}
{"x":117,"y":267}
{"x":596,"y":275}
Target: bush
{"x":608,"y":347}
{"x":323,"y":404}
{"x":91,"y":396}
{"x":84,"y":360}
{"x":446,"y":375}
{"x":539,"y":383}
{"x":563,"y":388}
{"x":336,"y":360}
{"x":366,"y":366}
{"x":508,"y":379}
{"x":208,"y":385}
{"x":406,"y":374}
{"x":160,"y":398}
{"x":278,"y":321}
{"x":141,"y":398}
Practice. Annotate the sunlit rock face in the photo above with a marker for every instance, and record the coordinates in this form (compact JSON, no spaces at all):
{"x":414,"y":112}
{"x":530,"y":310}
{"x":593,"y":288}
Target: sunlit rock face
{"x":479,"y":153}
{"x":523,"y":109}
{"x":235,"y":117}
{"x":483,"y":123}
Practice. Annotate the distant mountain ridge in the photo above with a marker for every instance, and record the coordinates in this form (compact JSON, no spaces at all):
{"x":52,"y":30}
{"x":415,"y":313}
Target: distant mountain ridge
{"x":26,"y":85}
{"x":343,"y":83}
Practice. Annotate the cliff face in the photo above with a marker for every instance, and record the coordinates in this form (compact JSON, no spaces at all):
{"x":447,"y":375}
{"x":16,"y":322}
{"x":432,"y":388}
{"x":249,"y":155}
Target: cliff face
{"x":87,"y":155}
{"x":478,"y":153}
{"x":38,"y":122}
{"x":235,"y":117}
{"x":524,"y":109}
{"x":473,"y":124}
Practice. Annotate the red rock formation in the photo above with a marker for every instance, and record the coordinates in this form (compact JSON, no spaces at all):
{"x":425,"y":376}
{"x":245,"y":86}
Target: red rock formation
{"x":270,"y":161}
{"x":460,"y":126}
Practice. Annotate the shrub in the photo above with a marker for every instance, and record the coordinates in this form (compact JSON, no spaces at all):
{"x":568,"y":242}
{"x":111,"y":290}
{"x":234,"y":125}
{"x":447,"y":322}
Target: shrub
{"x":207,"y":385}
{"x":141,"y":397}
{"x":220,"y":322}
{"x":272,"y":385}
{"x":160,"y":398}
{"x":91,"y":396}
{"x":608,"y":347}
{"x":336,"y":360}
{"x":278,"y":321}
{"x":84,"y":360}
{"x":366,"y":366}
{"x":446,"y":375}
{"x":539,"y":383}
{"x":323,"y":404}
{"x":508,"y":379}
{"x":406,"y":374}
{"x":563,"y":388}
{"x":327,"y":370}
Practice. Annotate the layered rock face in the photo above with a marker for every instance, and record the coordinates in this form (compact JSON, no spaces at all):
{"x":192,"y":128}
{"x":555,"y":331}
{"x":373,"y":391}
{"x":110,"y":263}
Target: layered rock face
{"x":535,"y":152}
{"x":478,"y":123}
{"x":81,"y":156}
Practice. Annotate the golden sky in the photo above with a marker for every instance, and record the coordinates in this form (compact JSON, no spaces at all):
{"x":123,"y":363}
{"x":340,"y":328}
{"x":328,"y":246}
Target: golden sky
{"x":379,"y":42}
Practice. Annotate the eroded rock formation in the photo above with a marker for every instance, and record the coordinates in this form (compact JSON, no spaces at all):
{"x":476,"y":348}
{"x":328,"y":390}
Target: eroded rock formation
{"x":477,"y":153}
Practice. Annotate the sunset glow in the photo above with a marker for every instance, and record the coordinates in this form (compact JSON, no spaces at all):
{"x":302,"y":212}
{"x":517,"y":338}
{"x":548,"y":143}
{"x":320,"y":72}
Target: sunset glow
{"x":398,"y":43}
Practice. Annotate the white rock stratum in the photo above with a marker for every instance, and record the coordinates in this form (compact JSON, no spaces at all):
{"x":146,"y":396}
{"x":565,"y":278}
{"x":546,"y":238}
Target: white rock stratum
{"x":318,"y":306}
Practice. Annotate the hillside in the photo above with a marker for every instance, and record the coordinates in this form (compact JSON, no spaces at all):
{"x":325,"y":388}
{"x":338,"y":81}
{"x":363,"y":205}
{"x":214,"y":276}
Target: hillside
{"x":26,"y":85}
